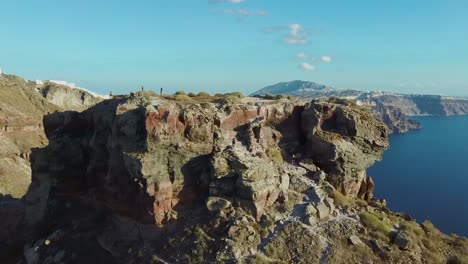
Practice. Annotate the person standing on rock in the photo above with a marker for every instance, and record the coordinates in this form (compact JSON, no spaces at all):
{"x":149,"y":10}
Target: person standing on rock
{"x":142,"y":88}
{"x":160,"y":91}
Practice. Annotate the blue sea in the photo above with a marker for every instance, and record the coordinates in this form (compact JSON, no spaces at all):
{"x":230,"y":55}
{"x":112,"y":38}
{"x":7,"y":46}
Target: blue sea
{"x":425,"y":173}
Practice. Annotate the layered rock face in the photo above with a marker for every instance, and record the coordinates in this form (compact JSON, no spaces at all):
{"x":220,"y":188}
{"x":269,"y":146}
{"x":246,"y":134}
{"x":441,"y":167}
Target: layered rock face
{"x":150,"y":179}
{"x":158,"y":159}
{"x":22,"y":107}
{"x":344,"y":141}
{"x":21,"y":111}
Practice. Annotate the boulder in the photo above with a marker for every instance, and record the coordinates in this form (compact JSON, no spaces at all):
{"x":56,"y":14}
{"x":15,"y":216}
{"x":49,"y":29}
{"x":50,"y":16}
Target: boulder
{"x":401,"y":240}
{"x":309,"y":165}
{"x":216,"y":204}
{"x":355,"y":241}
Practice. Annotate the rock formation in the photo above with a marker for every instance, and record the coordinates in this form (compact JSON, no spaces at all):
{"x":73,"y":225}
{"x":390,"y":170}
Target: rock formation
{"x":146,"y":178}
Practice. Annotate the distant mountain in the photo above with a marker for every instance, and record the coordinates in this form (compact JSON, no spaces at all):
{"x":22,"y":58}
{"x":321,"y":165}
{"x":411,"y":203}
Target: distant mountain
{"x":306,"y":89}
{"x":391,"y":108}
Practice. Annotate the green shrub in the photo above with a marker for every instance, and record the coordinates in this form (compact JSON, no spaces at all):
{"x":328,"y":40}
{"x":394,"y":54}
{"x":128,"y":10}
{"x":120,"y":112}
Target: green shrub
{"x":274,"y":153}
{"x":182,"y":98}
{"x":341,"y":200}
{"x":203,"y":94}
{"x":192,"y":94}
{"x":180,"y":93}
{"x":236,"y":94}
{"x":270,"y":96}
{"x":228,"y":99}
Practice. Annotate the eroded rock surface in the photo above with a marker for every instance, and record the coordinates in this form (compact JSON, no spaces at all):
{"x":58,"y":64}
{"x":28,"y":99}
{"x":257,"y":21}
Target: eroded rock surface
{"x":165,"y":158}
{"x":157,"y":180}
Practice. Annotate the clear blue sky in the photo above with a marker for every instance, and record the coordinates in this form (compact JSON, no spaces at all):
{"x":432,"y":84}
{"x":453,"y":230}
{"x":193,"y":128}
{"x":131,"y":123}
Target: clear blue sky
{"x":418,"y":46}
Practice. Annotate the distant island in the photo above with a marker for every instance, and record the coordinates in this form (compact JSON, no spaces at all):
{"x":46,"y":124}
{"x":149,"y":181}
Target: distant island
{"x":391,"y":108}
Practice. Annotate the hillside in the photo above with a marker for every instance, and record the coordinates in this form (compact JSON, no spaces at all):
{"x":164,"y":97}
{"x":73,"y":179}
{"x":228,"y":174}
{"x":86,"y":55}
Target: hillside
{"x":167,"y":179}
{"x":22,"y":107}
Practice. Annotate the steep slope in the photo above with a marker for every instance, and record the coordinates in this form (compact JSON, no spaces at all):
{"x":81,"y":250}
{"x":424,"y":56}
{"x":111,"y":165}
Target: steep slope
{"x":149,"y":179}
{"x":22,"y":107}
{"x":21,"y":111}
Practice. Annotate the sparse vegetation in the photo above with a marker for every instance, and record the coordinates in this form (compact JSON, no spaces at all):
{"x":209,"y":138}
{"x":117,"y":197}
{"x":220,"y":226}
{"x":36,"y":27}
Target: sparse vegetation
{"x":203,"y":94}
{"x":274,"y":153}
{"x":147,"y":94}
{"x":270,"y":96}
{"x":180,"y":93}
{"x":380,"y":229}
{"x":182,"y":98}
{"x":341,"y":200}
{"x":230,"y":98}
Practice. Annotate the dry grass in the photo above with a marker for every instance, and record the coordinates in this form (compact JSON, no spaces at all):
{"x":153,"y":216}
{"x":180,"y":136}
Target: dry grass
{"x":341,"y":200}
{"x":379,"y":228}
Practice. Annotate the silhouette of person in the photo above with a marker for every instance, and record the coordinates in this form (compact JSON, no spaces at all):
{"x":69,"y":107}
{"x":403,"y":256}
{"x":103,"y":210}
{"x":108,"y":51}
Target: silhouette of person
{"x":110,"y":94}
{"x":142,"y":88}
{"x":160,"y":92}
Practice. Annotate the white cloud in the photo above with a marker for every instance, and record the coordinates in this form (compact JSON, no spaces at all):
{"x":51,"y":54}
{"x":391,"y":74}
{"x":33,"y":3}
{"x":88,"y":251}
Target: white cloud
{"x":306,"y":66}
{"x":326,"y":58}
{"x":243,"y":13}
{"x":226,"y":1}
{"x":296,"y":35}
{"x":302,"y":55}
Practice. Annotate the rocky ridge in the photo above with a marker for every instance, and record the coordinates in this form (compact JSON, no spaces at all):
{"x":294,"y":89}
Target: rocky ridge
{"x":145,"y":178}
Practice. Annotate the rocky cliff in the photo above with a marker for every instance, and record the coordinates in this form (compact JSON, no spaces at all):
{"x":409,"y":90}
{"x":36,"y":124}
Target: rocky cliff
{"x":21,"y":111}
{"x":144,"y":178}
{"x":22,"y":107}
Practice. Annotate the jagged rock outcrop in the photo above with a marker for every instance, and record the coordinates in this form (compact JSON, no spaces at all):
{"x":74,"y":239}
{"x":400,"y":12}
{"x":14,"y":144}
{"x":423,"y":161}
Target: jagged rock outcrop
{"x":168,"y":157}
{"x":151,"y":179}
{"x":344,"y":141}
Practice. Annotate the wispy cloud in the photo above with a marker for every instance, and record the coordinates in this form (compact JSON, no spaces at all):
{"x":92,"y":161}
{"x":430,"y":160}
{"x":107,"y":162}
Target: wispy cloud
{"x":242,"y":13}
{"x":306,"y":66}
{"x":226,"y":1}
{"x":326,"y":58}
{"x":296,"y":35}
{"x":302,"y":55}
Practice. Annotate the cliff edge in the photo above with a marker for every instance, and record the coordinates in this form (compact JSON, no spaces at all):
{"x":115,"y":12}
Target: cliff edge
{"x":163,"y":179}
